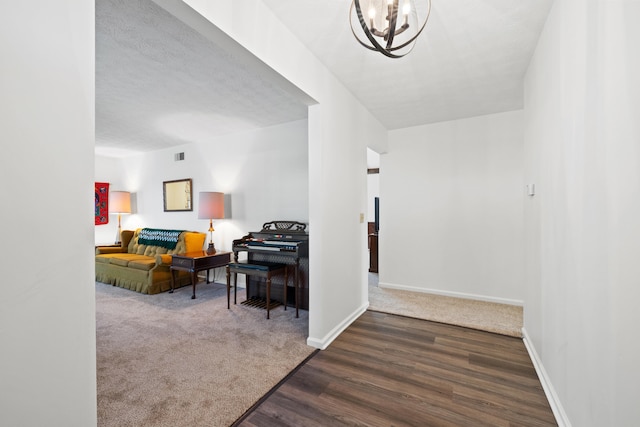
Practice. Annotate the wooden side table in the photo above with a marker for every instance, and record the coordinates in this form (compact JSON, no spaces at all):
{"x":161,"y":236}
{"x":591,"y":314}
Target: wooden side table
{"x":194,"y":262}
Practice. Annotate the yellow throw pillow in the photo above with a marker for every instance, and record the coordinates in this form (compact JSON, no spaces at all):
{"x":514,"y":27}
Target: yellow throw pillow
{"x":194,"y":241}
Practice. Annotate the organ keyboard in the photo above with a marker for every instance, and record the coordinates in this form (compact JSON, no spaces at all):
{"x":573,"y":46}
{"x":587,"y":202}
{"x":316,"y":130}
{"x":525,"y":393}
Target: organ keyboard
{"x":278,"y":236}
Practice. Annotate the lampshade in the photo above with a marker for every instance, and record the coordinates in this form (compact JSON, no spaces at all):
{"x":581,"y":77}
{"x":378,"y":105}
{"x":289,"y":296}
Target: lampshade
{"x":211,"y":205}
{"x":120,"y":202}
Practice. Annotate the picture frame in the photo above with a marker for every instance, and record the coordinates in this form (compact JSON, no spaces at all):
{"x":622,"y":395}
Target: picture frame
{"x":178,"y":195}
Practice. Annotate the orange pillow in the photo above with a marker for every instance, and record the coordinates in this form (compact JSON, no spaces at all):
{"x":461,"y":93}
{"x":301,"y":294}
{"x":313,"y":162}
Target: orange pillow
{"x":194,"y":241}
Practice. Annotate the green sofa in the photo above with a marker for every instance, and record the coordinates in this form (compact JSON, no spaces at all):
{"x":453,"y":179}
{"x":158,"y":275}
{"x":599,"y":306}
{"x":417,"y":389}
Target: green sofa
{"x":145,"y":268}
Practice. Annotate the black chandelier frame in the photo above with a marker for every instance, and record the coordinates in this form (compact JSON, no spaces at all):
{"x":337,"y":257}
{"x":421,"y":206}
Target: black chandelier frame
{"x":375,"y":46}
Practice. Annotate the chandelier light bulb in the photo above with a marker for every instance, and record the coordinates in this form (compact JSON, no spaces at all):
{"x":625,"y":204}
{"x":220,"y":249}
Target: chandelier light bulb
{"x":406,"y":9}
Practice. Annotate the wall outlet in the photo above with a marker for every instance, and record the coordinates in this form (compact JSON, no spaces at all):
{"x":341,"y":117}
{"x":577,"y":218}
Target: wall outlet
{"x":361,"y":218}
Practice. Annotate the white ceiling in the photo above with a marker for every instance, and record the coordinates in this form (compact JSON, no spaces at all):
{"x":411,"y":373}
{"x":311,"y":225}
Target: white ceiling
{"x":159,"y":83}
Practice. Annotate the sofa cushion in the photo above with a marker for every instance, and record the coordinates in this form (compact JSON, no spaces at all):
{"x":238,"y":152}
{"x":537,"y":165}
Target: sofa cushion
{"x":194,"y":241}
{"x":124,"y":259}
{"x":142,"y":264}
{"x":118,"y":258}
{"x":120,"y":261}
{"x":104,"y":258}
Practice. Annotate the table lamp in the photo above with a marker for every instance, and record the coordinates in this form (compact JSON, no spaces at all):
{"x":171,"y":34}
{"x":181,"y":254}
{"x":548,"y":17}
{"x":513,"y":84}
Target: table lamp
{"x":119,"y":203}
{"x":211,"y":206}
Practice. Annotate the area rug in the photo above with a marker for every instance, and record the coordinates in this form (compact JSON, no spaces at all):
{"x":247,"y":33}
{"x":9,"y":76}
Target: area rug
{"x":168,"y":360}
{"x":502,"y":319}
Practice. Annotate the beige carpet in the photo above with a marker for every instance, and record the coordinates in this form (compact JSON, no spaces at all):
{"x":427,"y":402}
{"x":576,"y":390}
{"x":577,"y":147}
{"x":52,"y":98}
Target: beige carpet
{"x":168,"y":360}
{"x":486,"y":316}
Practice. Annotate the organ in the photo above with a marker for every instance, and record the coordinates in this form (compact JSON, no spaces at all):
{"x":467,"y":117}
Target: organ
{"x":285,"y":242}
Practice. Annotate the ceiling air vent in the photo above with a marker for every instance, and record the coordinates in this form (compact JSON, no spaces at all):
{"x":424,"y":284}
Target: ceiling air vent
{"x":178,"y":156}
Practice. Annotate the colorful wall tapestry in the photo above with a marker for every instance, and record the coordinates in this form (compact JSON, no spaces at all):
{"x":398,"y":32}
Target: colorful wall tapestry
{"x":102,"y":203}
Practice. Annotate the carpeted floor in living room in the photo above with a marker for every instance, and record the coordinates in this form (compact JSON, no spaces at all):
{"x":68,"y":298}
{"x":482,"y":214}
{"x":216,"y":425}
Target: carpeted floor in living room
{"x":168,"y":360}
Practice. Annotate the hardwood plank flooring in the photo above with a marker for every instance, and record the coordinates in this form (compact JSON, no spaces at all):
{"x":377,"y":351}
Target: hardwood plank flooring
{"x":388,"y":370}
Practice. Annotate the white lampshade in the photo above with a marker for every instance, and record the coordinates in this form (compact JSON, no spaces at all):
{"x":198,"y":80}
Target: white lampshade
{"x":211,"y":205}
{"x":120,"y":202}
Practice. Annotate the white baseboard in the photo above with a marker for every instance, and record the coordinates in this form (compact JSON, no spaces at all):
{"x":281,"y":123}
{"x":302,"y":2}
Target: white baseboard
{"x":324,"y":342}
{"x":549,"y":391}
{"x":452,"y":294}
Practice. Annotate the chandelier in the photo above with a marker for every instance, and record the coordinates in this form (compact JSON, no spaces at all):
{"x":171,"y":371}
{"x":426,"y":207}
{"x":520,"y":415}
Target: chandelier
{"x":387,"y":28}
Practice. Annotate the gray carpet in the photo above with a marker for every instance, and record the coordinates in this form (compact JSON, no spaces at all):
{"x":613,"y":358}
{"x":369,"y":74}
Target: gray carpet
{"x":486,"y":316}
{"x":168,"y":360}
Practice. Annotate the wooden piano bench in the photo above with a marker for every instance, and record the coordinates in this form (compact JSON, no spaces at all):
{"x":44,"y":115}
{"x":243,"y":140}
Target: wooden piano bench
{"x":261,"y":269}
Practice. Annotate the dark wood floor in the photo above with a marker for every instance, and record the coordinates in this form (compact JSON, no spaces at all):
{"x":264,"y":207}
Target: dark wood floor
{"x":387,"y":370}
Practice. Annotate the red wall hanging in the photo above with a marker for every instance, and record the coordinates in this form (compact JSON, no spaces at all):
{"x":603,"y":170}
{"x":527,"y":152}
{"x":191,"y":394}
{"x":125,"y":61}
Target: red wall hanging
{"x":102,"y":203}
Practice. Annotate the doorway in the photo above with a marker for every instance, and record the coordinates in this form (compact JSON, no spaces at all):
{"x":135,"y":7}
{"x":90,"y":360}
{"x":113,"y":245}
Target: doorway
{"x":373,"y":214}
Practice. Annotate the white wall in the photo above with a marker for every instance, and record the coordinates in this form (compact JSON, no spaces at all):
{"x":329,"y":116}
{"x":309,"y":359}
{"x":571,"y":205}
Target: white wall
{"x":582,"y":143}
{"x":451,"y":198}
{"x":263,"y":173}
{"x":47,"y":310}
{"x":339,"y":131}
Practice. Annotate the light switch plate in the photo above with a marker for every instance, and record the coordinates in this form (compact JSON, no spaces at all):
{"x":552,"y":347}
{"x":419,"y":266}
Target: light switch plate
{"x":531,"y":189}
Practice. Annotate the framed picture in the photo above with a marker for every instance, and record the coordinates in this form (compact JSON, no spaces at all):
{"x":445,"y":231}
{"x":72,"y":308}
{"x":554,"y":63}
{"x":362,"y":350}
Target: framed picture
{"x":177,"y":195}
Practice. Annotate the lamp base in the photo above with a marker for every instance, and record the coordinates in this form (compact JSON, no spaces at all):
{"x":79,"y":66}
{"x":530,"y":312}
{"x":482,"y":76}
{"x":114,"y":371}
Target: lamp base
{"x":118,"y":237}
{"x":211,"y":249}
